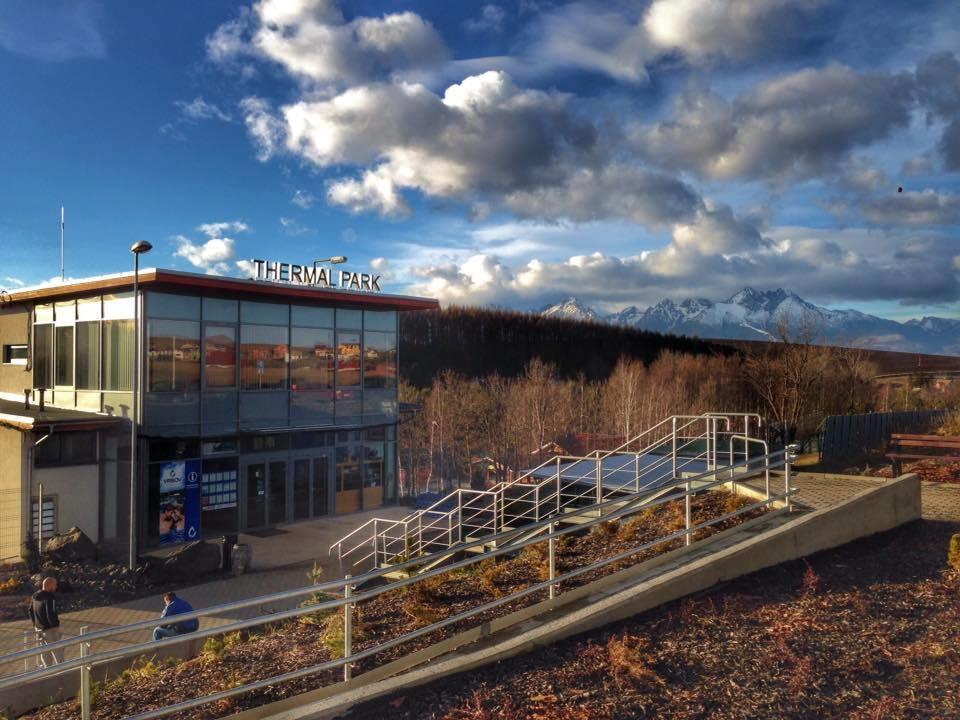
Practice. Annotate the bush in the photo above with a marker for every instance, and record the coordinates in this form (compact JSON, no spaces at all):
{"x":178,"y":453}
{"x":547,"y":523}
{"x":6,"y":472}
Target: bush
{"x":606,"y":530}
{"x":951,"y":426}
{"x":627,"y":656}
{"x":333,"y":634}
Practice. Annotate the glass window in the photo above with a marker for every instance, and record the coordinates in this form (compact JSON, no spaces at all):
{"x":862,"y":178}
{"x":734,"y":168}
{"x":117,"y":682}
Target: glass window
{"x":173,"y":355}
{"x":220,"y":356}
{"x":66,"y":312}
{"x":63,"y":372}
{"x":88,"y":356}
{"x":385,"y":320}
{"x":43,"y":314}
{"x":118,"y":355}
{"x":219,"y":483}
{"x":88,"y":308}
{"x":15,"y":354}
{"x":348,"y":358}
{"x":266,"y":313}
{"x":379,"y":360}
{"x":263,"y":357}
{"x":312,"y":316}
{"x":48,"y":516}
{"x":118,"y":306}
{"x":311,"y":439}
{"x":43,"y":356}
{"x":349,"y":318}
{"x":67,"y":448}
{"x":174,"y":449}
{"x":168,"y":305}
{"x":264,"y":443}
{"x":220,"y":446}
{"x":348,"y":468}
{"x":220,"y":310}
{"x":312,"y":359}
{"x":373,"y":464}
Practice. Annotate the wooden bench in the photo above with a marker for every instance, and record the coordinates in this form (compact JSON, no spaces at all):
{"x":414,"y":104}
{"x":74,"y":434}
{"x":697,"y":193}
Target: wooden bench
{"x":908,"y":447}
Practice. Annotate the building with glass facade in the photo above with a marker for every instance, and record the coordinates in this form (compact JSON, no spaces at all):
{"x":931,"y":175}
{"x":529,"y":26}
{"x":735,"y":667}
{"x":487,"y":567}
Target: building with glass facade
{"x":260,"y":403}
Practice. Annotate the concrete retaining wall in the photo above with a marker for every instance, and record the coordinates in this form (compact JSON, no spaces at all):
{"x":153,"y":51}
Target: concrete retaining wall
{"x":871,"y":511}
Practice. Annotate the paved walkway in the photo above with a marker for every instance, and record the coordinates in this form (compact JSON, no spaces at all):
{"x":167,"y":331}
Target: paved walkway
{"x":281,"y":561}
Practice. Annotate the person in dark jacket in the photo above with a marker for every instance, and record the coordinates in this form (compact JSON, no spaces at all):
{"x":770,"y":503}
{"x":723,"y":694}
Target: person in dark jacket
{"x":175,"y":606}
{"x":46,"y":622}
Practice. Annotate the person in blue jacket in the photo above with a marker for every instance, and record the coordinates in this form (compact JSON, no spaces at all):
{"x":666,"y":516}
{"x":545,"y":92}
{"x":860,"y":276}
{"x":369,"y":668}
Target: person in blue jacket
{"x":175,"y":606}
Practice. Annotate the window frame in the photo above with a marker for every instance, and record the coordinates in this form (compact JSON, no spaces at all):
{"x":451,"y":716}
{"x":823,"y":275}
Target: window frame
{"x":8,"y":358}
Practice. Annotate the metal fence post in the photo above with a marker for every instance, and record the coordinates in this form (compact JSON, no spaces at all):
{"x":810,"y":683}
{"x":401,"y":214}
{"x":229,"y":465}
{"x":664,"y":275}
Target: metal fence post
{"x":674,"y":451}
{"x":552,"y":559}
{"x":558,"y":484}
{"x":347,"y":628}
{"x":788,"y":459}
{"x":599,"y":480}
{"x":84,"y":679}
{"x":688,"y":511}
{"x":39,"y":519}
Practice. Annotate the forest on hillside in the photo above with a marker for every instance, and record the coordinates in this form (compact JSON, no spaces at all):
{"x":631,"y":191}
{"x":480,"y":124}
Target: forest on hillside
{"x":500,"y":391}
{"x":474,"y":342}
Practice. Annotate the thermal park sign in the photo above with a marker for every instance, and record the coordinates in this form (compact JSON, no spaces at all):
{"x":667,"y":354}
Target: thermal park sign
{"x":276,"y":271}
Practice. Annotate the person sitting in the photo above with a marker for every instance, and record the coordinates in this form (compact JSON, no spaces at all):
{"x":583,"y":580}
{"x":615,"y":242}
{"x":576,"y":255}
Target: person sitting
{"x":175,"y":606}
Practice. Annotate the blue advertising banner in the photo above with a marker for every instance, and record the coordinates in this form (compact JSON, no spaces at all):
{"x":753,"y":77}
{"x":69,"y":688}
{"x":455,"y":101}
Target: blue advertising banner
{"x":179,"y":502}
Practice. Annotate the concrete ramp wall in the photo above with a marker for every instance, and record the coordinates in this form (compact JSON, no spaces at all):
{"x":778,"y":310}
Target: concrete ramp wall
{"x":616,"y":598}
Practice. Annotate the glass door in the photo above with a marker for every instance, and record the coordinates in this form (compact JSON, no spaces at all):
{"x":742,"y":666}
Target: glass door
{"x":301,"y":488}
{"x":277,"y":500}
{"x":321,"y":486}
{"x":256,"y":505}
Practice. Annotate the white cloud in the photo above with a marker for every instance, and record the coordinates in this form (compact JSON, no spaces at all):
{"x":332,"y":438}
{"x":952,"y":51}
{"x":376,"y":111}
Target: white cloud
{"x":216,"y":254}
{"x":15,"y":281}
{"x":303,"y":199}
{"x":312,"y":40}
{"x":927,"y":207}
{"x":292,"y":227}
{"x":795,"y":126}
{"x":491,"y":18}
{"x":266,"y":131}
{"x":374,"y":192}
{"x":200,"y":109}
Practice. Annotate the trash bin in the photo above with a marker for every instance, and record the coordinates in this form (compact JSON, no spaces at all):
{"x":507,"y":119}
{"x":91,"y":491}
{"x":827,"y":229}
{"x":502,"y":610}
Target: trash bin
{"x":226,"y":550}
{"x":242,"y":557}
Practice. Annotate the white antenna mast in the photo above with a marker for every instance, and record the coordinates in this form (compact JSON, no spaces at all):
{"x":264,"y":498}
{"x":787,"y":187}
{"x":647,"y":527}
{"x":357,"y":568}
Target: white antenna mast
{"x":61,"y":244}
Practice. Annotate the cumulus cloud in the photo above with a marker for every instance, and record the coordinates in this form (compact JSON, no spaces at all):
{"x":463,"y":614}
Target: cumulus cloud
{"x":927,"y":207}
{"x":938,"y":87}
{"x":483,"y":135}
{"x":622,"y":40}
{"x":792,"y":127}
{"x":313,"y":41}
{"x":215,"y":255}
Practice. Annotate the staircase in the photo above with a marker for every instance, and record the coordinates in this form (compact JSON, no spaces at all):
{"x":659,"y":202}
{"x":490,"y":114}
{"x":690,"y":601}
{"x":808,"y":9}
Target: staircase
{"x":572,"y":489}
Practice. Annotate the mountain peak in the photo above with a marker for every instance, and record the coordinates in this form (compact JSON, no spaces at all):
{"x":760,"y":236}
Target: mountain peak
{"x":572,"y":308}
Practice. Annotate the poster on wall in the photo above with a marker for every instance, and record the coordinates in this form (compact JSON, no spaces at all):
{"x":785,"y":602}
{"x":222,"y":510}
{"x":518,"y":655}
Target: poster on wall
{"x":179,"y":502}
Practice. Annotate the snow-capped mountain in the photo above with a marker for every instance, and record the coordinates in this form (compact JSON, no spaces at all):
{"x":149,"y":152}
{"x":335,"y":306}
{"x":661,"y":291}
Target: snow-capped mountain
{"x":755,"y":314}
{"x":571,"y":309}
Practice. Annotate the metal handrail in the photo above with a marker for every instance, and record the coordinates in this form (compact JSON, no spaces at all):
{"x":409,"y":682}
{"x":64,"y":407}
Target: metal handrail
{"x":503,"y":484}
{"x":777,"y":459}
{"x":329,"y":585}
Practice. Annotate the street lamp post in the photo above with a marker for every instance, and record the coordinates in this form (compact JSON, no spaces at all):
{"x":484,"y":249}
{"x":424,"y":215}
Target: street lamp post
{"x":334,"y":260}
{"x":138,"y":248}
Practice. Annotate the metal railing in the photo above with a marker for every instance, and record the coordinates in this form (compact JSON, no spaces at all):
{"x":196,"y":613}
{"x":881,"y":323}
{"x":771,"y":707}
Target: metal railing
{"x":348,"y":598}
{"x":670,"y":442}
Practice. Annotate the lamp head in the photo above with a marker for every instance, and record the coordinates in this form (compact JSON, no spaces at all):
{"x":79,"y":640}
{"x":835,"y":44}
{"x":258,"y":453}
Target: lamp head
{"x":140,"y":247}
{"x":338,"y":259}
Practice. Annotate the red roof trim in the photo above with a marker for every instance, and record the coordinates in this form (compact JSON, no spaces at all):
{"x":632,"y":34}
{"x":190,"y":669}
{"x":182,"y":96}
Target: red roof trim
{"x":167,"y":278}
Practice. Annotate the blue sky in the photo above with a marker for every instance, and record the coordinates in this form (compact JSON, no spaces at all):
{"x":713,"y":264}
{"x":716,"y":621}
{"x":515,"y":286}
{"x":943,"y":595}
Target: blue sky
{"x":509,"y":153}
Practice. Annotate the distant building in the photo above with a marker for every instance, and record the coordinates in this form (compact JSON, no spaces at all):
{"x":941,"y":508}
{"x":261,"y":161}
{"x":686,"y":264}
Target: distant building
{"x":262,"y":403}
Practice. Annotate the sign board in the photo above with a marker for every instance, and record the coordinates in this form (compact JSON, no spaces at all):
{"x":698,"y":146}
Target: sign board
{"x":315,"y":276}
{"x":179,"y":511}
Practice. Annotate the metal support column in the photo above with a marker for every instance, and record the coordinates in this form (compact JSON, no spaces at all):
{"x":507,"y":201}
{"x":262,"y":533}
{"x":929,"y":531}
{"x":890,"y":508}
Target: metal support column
{"x":85,"y":708}
{"x":688,"y":512}
{"x":552,"y":559}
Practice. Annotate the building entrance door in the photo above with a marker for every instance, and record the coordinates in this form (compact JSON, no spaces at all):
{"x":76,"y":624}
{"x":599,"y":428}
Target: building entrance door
{"x":311,"y":487}
{"x":266,"y":493}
